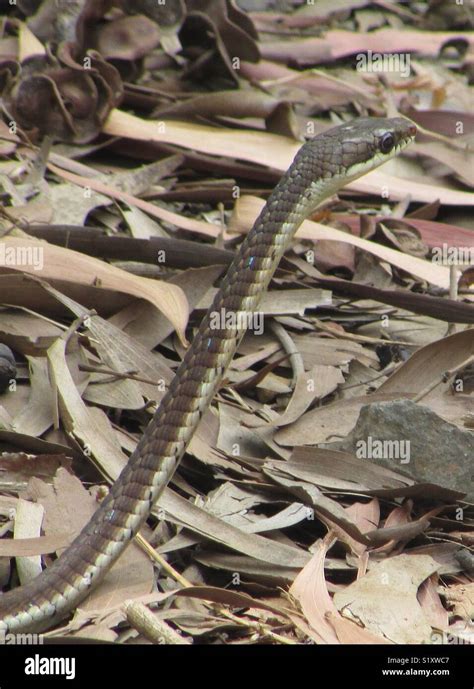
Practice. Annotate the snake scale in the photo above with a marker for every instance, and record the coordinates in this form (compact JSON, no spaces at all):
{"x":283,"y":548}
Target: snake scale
{"x":321,"y":167}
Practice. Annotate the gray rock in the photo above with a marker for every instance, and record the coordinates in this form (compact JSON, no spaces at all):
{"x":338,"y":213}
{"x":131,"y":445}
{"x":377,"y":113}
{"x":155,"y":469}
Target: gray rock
{"x":411,"y":439}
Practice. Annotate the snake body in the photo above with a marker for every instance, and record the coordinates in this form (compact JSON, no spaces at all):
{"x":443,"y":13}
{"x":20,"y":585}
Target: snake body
{"x":322,"y":166}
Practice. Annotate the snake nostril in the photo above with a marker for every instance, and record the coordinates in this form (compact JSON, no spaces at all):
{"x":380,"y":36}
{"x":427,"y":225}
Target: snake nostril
{"x":412,"y":130}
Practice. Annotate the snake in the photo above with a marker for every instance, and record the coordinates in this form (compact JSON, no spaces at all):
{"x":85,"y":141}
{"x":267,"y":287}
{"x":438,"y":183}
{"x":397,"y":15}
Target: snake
{"x":321,"y":167}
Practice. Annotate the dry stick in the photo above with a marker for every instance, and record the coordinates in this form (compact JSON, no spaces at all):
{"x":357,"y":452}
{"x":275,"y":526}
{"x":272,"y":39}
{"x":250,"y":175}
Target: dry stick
{"x":128,"y":375}
{"x":220,"y":239}
{"x":256,"y":627}
{"x":290,"y":348}
{"x":453,"y":294}
{"x":443,"y":378}
{"x":388,"y":371}
{"x":148,"y":624}
{"x":238,"y":399}
{"x":344,"y":335}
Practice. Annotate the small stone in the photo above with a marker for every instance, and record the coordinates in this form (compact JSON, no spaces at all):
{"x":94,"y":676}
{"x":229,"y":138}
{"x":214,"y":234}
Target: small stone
{"x":409,"y":438}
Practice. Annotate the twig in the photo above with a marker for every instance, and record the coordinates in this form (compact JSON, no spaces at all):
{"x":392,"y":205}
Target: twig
{"x":290,"y":348}
{"x":256,"y":627}
{"x":443,"y":378}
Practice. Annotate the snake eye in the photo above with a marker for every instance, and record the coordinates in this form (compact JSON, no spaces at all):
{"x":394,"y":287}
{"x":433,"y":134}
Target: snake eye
{"x":387,"y":142}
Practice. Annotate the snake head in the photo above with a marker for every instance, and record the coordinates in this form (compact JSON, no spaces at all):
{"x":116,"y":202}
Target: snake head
{"x":359,"y":146}
{"x":331,"y":160}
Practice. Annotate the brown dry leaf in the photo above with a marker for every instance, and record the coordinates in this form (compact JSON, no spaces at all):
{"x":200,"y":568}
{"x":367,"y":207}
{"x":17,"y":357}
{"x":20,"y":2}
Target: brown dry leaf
{"x":319,"y":350}
{"x":249,"y":568}
{"x":325,"y":623}
{"x":149,"y":327}
{"x":442,"y":121}
{"x":226,"y":597}
{"x":367,"y":517}
{"x":429,"y":363}
{"x":26,"y":332}
{"x":305,"y":16}
{"x":314,"y":384}
{"x":257,"y":147}
{"x":350,"y":633}
{"x":204,"y":443}
{"x":293,"y":301}
{"x":90,"y":426}
{"x":392,"y":535}
{"x":210,"y":527}
{"x":121,"y":350}
{"x":432,"y":233}
{"x":36,"y":416}
{"x":458,"y":161}
{"x":67,"y":504}
{"x":266,"y":149}
{"x":315,"y":88}
{"x":155,"y":211}
{"x":344,"y":472}
{"x":73,"y":268}
{"x":427,"y":305}
{"x":385,"y":601}
{"x":338,"y":44}
{"x":235,"y":104}
{"x":329,"y":423}
{"x":399,"y":516}
{"x":236,"y":436}
{"x":326,"y":509}
{"x":70,"y":208}
{"x":127,"y":38}
{"x":16,"y":469}
{"x":27,"y":547}
{"x":310,"y":590}
{"x":429,"y":599}
{"x":461,"y":598}
{"x":28,"y":521}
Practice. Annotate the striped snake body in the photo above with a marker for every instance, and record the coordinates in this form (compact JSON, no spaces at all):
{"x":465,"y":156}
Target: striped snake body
{"x":322,"y":166}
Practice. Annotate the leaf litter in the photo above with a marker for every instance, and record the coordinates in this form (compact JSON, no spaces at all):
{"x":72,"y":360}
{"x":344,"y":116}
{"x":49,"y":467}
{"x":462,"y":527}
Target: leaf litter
{"x":282,"y":524}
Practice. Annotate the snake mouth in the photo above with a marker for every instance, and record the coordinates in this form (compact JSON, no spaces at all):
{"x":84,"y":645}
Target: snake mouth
{"x":408,"y":137}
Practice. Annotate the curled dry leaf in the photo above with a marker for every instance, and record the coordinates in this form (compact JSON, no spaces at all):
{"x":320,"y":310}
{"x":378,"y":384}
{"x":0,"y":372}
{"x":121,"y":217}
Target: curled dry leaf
{"x":169,"y":15}
{"x":127,"y":38}
{"x":61,"y":97}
